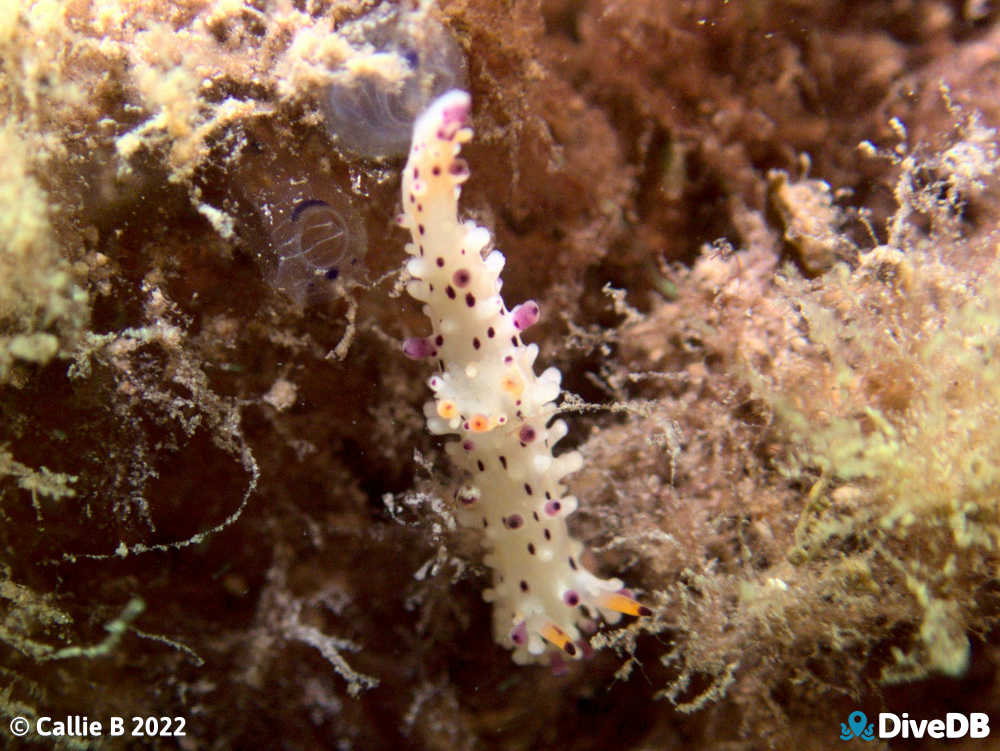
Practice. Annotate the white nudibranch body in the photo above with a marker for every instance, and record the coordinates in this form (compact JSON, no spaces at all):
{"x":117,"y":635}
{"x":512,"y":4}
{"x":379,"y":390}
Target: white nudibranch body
{"x":487,"y":393}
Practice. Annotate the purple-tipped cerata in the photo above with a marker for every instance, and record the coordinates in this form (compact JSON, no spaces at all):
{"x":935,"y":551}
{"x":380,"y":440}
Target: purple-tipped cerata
{"x":418,"y":347}
{"x":525,"y":315}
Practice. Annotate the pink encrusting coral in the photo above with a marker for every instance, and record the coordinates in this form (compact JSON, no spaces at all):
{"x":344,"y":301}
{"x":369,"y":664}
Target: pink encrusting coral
{"x":487,"y":393}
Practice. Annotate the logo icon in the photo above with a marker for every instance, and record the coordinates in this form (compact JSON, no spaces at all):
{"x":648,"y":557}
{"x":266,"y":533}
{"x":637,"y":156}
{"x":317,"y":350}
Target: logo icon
{"x":857,"y":726}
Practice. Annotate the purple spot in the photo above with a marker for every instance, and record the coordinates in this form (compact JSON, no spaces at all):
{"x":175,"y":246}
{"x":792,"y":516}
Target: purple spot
{"x":459,"y":168}
{"x":440,"y":261}
{"x":461,"y":278}
{"x":468,"y":445}
{"x":527,"y":434}
{"x":520,"y":633}
{"x":470,"y":299}
{"x":456,"y":113}
{"x":524,"y":585}
{"x":418,"y":347}
{"x":450,"y":291}
{"x":490,"y":332}
{"x":514,"y":521}
{"x":571,"y":598}
{"x":453,"y":118}
{"x":552,"y":508}
{"x":525,"y":315}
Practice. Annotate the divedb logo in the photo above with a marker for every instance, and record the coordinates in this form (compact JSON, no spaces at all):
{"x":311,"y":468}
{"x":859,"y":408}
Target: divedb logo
{"x":954,"y":725}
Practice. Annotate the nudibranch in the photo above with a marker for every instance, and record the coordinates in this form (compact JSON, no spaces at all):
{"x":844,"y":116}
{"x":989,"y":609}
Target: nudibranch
{"x":486,"y":392}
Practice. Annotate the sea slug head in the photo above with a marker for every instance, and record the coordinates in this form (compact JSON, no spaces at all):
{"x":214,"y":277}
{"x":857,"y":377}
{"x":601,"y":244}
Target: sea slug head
{"x":442,"y":121}
{"x":437,"y":138}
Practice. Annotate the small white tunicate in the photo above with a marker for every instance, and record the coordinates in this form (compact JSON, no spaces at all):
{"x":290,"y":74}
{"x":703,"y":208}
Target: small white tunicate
{"x":315,"y":244}
{"x":414,"y":60}
{"x":304,"y":230}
